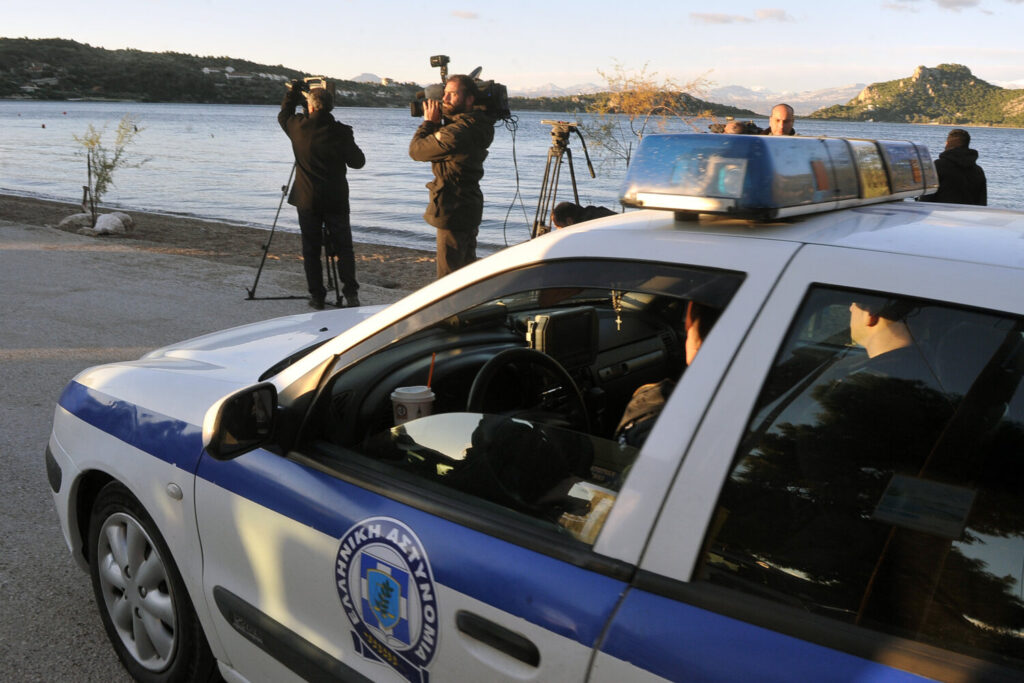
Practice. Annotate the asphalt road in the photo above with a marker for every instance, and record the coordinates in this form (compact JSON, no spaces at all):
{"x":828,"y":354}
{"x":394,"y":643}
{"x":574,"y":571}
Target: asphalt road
{"x":68,"y":302}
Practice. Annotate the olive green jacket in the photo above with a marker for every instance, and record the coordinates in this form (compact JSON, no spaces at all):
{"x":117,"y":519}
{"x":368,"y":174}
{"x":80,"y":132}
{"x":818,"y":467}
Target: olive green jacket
{"x":456,"y":151}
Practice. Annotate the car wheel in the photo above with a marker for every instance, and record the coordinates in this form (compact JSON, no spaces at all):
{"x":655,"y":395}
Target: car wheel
{"x":141,"y":597}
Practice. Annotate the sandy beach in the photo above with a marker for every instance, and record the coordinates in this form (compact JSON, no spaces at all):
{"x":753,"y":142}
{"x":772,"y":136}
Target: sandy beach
{"x":390,"y":268}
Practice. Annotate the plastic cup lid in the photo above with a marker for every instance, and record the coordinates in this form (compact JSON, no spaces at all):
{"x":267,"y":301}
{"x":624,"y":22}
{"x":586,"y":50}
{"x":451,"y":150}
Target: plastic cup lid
{"x":412,"y":393}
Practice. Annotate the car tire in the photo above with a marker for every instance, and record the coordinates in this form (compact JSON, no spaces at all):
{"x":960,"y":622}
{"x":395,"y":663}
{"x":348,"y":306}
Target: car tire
{"x":142,"y":600}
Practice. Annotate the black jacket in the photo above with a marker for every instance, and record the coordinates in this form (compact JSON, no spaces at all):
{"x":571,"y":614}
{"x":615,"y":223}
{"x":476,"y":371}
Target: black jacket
{"x":323,"y":149}
{"x":456,"y":151}
{"x":961,"y":180}
{"x":590,"y":213}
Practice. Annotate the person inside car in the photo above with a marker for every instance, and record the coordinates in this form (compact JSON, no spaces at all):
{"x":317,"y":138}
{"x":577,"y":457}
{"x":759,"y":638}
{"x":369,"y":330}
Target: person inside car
{"x":648,"y":400}
{"x":879,"y":326}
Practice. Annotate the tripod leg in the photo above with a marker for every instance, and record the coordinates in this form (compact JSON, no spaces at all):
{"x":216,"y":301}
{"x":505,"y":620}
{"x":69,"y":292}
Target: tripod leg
{"x":539,"y":227}
{"x":572,"y":176}
{"x":553,"y":198}
{"x":331,"y":265}
{"x":266,"y":246}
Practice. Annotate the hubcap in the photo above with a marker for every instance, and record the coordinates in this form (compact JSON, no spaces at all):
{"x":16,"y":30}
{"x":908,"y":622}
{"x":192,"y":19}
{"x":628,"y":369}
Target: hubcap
{"x":136,"y":591}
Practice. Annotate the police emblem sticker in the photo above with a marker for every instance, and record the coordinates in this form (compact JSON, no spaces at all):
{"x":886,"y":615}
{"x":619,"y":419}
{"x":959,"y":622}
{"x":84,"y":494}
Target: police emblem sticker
{"x":387,"y":590}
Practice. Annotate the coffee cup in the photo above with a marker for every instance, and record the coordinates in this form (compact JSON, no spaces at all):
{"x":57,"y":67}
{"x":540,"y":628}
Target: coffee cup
{"x":410,"y":403}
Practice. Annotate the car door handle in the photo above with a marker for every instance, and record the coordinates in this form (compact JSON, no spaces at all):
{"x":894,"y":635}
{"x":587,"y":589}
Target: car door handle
{"x":498,"y":637}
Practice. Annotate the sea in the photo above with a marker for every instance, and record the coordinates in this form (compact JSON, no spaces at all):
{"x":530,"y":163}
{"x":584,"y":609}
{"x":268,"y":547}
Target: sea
{"x":231,"y":163}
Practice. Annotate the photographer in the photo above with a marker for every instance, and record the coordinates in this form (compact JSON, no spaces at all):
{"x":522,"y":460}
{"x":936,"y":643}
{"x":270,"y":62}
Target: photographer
{"x":456,"y":148}
{"x":323,"y":149}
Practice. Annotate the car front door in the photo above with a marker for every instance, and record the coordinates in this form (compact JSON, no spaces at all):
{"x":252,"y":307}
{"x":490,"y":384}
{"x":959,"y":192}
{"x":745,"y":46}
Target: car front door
{"x":429,"y":549}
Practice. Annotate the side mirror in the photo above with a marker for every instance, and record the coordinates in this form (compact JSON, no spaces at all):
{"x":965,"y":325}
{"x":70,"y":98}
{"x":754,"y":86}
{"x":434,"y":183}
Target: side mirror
{"x":241,"y":421}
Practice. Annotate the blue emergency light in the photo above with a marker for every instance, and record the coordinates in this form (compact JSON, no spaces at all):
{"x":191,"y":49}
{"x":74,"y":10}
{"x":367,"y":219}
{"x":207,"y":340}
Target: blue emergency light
{"x":766,"y":177}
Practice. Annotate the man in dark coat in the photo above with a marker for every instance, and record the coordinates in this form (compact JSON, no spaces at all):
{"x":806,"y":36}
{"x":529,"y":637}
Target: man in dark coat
{"x":961,"y":180}
{"x":456,"y":147}
{"x":323,"y":149}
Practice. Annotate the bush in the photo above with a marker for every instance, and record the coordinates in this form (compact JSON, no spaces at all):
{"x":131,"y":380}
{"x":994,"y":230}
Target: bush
{"x":101,"y":162}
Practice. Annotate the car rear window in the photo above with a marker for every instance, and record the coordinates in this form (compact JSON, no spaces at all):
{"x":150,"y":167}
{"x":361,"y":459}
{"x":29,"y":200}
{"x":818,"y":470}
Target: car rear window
{"x":883,"y":485}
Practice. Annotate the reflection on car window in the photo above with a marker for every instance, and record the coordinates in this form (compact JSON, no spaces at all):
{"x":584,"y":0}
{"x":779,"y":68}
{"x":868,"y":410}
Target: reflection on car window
{"x":881,"y":479}
{"x":558,"y":475}
{"x":528,"y":384}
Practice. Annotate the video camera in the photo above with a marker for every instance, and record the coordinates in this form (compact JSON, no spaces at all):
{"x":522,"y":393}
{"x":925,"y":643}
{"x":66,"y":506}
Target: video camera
{"x":493,"y":96}
{"x":312,"y":83}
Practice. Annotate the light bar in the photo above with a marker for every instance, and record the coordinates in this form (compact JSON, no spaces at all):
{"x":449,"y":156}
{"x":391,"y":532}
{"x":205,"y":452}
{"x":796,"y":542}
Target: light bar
{"x":763,"y":177}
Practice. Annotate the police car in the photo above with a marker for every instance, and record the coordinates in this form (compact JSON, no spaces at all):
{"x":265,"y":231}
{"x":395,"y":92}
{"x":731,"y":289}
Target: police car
{"x":768,"y":427}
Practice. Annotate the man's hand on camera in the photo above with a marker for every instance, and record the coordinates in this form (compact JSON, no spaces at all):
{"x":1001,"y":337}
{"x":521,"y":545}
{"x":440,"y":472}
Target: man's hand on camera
{"x":432,"y":111}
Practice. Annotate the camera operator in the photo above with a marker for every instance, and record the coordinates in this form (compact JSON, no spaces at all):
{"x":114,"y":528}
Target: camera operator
{"x":323,"y":149}
{"x":456,"y":148}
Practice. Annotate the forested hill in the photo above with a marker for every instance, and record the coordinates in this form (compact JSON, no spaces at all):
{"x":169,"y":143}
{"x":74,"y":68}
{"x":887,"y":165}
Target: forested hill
{"x":57,"y":69}
{"x":683,"y":103}
{"x":947,"y":94}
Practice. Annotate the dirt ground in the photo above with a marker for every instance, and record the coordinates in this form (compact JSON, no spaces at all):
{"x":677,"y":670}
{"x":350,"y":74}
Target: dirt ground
{"x":384,"y":266}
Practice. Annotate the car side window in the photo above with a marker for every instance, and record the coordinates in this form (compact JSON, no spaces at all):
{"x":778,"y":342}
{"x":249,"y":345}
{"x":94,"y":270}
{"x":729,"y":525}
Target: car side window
{"x":513,"y":402}
{"x":880,"y":480}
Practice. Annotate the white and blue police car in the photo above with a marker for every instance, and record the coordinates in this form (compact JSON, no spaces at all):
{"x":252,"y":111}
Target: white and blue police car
{"x":768,"y":427}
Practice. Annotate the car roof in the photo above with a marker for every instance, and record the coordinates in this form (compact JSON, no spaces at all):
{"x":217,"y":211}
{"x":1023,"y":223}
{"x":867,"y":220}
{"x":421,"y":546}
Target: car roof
{"x":943,"y":231}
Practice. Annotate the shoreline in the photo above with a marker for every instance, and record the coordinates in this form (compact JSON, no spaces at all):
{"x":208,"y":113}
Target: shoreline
{"x":389,"y":267}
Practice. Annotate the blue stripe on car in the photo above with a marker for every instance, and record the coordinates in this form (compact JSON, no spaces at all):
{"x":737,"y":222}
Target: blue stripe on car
{"x":681,"y":642}
{"x":555,"y":595}
{"x":173,"y":441}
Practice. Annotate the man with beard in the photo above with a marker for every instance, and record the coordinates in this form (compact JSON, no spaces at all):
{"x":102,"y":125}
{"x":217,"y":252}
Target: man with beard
{"x":456,"y":146}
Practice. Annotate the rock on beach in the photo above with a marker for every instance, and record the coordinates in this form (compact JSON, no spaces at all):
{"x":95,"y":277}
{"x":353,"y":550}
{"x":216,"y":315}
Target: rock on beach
{"x":116,"y":223}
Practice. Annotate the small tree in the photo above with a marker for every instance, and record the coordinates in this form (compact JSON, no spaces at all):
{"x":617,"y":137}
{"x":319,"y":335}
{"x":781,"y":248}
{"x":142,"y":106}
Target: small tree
{"x":101,"y":161}
{"x":623,"y":112}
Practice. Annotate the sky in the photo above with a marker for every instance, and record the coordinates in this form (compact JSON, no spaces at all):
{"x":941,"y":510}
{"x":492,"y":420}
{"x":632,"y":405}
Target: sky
{"x":795,"y":46}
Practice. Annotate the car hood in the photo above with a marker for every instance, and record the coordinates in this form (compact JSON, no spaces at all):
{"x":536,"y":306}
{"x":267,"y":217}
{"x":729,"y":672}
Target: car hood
{"x":181,"y":381}
{"x":245,"y":353}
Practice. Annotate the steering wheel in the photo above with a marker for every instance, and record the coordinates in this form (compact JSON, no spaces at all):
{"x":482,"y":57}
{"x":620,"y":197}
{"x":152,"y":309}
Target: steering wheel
{"x":535,"y":387}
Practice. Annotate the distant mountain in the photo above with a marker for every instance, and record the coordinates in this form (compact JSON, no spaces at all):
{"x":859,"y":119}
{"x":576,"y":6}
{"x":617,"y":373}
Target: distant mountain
{"x":552,"y":90}
{"x":948,"y":94}
{"x":1019,"y":83}
{"x":365,"y":78}
{"x":803,"y":102}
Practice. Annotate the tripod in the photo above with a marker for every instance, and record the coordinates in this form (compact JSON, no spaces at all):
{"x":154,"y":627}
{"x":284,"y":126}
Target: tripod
{"x":560,"y":131}
{"x":266,"y":246}
{"x":331,"y":264}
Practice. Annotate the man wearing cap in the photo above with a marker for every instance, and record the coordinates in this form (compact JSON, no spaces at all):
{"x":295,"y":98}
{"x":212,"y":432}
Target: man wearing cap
{"x":879,"y":326}
{"x":961,"y":180}
{"x":892,"y":371}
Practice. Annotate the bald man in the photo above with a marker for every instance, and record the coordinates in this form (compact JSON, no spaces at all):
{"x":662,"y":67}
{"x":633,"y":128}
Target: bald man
{"x":781,"y":121}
